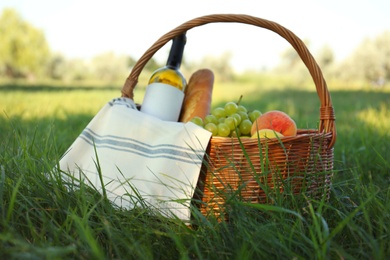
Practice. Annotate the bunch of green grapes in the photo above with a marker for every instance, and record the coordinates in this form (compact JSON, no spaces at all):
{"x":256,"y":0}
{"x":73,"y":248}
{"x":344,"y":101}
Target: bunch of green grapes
{"x":232,"y":120}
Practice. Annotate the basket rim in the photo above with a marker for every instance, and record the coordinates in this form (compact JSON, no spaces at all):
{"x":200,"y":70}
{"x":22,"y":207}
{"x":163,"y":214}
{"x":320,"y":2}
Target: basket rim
{"x":302,"y":134}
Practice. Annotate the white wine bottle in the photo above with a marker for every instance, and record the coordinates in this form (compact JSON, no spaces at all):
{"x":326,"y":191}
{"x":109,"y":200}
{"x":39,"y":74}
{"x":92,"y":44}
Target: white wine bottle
{"x":165,"y":91}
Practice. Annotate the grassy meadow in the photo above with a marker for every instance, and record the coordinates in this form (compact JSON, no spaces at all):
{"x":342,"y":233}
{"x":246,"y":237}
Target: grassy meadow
{"x":40,"y":219}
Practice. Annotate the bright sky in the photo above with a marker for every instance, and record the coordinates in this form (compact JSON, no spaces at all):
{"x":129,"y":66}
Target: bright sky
{"x":84,"y":28}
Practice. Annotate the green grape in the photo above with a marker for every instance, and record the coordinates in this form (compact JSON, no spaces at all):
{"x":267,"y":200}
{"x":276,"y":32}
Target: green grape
{"x":245,"y":127}
{"x":235,"y":133}
{"x":210,"y":119}
{"x":211,"y":127}
{"x":218,"y":112}
{"x":223,"y":130}
{"x":253,"y":115}
{"x":244,"y":115}
{"x":238,"y":118}
{"x":241,"y":108}
{"x":230,"y":108}
{"x":197,"y":120}
{"x":231,"y":122}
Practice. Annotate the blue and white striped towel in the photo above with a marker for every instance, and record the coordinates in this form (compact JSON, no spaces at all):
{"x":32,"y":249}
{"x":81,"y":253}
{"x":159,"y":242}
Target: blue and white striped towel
{"x":138,"y":153}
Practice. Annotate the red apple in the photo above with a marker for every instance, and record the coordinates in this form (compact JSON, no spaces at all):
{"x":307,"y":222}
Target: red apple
{"x":277,"y":121}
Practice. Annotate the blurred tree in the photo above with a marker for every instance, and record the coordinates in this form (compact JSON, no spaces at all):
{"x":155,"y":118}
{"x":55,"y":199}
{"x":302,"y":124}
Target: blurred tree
{"x":325,"y":57}
{"x":76,"y":70}
{"x":382,"y":43}
{"x":152,"y":65}
{"x":24,"y":51}
{"x":220,"y":65}
{"x":131,"y":62}
{"x":290,"y":59}
{"x":326,"y":60}
{"x":369,"y":62}
{"x":109,"y":67}
{"x":292,"y":65}
{"x":56,"y":68}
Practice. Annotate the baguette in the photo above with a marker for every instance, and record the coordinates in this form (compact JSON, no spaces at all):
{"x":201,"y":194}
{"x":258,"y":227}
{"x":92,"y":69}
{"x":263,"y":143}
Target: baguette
{"x":197,"y":95}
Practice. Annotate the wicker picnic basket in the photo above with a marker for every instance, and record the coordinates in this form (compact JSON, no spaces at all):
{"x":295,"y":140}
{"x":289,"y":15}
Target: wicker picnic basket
{"x":250,"y":169}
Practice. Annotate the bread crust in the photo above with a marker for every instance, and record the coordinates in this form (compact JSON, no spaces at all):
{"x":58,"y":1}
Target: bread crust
{"x":197,"y":95}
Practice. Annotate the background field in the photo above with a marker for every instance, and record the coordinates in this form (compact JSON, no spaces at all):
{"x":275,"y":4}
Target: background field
{"x":39,"y":122}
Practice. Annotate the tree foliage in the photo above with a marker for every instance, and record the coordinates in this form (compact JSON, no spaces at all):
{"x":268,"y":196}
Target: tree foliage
{"x":325,"y":57}
{"x":107,"y":67}
{"x":291,"y":65}
{"x":369,"y":62}
{"x":221,"y":65}
{"x":24,"y":51}
{"x":110,"y":67}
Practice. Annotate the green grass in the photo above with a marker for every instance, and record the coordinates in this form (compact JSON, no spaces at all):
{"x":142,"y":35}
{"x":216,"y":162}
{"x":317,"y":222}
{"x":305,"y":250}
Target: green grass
{"x":41,"y":219}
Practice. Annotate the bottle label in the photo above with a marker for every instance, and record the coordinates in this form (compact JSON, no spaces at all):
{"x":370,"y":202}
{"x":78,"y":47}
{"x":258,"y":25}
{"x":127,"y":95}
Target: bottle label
{"x":163,"y":101}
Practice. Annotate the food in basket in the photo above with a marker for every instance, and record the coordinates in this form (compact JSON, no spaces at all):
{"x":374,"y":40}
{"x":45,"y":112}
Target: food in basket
{"x":266,"y":133}
{"x":231,"y":119}
{"x":234,"y":120}
{"x":210,"y":119}
{"x":197,"y":95}
{"x":231,"y":108}
{"x":275,"y":120}
{"x":254,"y":114}
{"x":197,"y":120}
{"x":245,"y":127}
{"x":211,"y":127}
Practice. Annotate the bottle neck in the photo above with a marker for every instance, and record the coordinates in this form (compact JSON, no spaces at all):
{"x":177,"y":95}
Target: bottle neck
{"x":176,"y":53}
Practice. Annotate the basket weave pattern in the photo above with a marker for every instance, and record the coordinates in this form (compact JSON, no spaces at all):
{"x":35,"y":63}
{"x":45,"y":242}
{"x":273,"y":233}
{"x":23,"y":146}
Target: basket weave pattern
{"x":253,"y":169}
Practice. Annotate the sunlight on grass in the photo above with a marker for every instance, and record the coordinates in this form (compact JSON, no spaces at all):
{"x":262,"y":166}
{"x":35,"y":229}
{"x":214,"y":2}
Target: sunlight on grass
{"x":41,"y":104}
{"x":377,"y":118}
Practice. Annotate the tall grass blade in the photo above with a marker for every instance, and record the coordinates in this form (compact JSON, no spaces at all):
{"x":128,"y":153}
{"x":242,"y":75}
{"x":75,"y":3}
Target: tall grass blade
{"x":348,"y":218}
{"x":99,"y":170}
{"x":12,"y":200}
{"x":272,"y":208}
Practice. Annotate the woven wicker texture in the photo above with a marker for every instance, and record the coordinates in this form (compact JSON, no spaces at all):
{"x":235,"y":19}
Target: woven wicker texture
{"x":251,"y":168}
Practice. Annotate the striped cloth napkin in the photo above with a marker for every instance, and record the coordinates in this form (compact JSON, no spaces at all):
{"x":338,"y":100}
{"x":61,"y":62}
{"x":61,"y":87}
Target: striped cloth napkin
{"x":139,"y":157}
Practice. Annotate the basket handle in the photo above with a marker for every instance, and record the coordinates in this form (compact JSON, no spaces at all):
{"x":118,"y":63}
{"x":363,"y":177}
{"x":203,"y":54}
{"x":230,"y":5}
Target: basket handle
{"x":327,"y":115}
